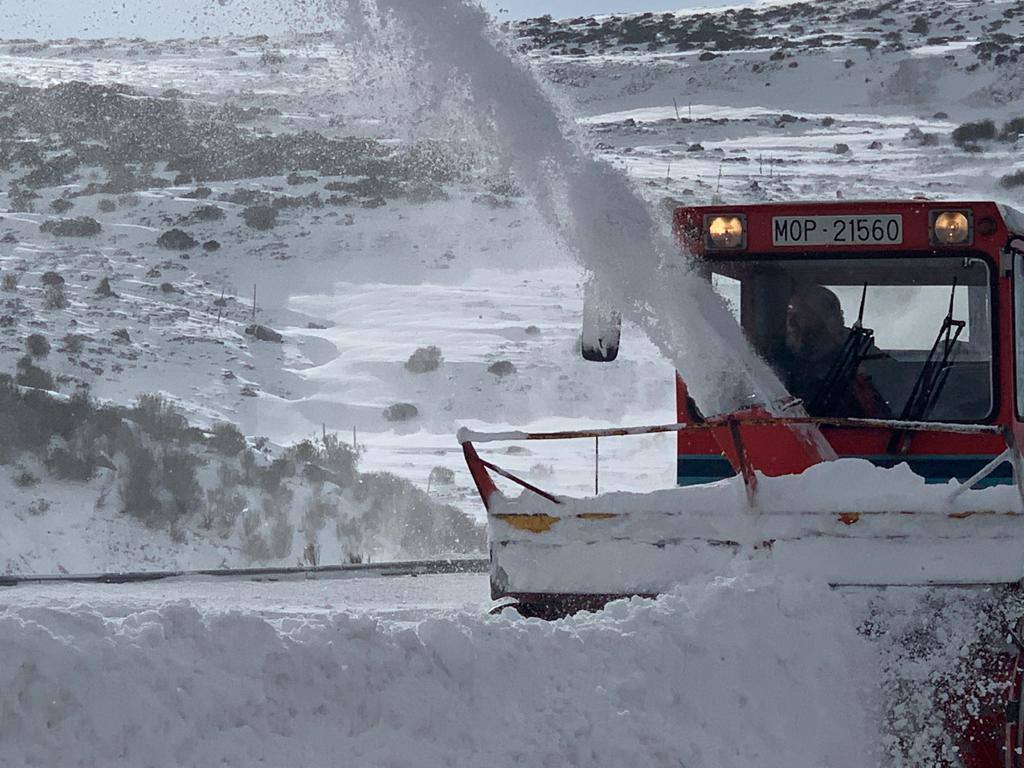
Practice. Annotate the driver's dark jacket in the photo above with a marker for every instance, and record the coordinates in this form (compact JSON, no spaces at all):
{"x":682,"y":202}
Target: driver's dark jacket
{"x":804,"y":376}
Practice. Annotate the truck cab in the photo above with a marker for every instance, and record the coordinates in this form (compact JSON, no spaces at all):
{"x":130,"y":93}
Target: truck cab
{"x":909,"y":311}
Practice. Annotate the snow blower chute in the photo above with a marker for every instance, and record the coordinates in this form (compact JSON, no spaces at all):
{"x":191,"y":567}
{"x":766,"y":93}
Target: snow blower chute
{"x":898,"y":327}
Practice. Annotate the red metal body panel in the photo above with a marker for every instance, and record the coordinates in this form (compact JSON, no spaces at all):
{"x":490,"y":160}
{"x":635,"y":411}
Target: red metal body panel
{"x":689,"y":223}
{"x":775,"y":449}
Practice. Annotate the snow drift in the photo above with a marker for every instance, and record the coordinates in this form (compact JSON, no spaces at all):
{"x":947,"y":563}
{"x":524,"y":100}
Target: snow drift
{"x":646,"y":683}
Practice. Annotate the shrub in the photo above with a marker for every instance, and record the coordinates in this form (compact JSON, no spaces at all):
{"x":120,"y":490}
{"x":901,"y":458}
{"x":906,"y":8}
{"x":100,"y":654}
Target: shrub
{"x":1013,"y":129}
{"x":398,"y":510}
{"x":424,"y":360}
{"x":223,"y":508}
{"x":29,"y":375}
{"x":229,"y":476}
{"x":1012,"y":180}
{"x":73,"y":343}
{"x":26,"y":480}
{"x":401,"y":412}
{"x":971,"y":132}
{"x":84,"y":226}
{"x":54,"y":297}
{"x":176,"y":240}
{"x":281,"y":531}
{"x":341,"y":458}
{"x":254,"y":544}
{"x":501,"y":368}
{"x":106,"y":205}
{"x":260,"y":217}
{"x":318,"y":510}
{"x":51,"y":278}
{"x":39,"y":507}
{"x":870,"y":43}
{"x":139,"y":483}
{"x":178,"y":478}
{"x":263,"y":333}
{"x":271,"y":477}
{"x":10,"y":281}
{"x":158,"y":419}
{"x":208,"y":213}
{"x":104,"y":291}
{"x":267,"y":534}
{"x":199,"y":193}
{"x":249,"y":468}
{"x":69,"y":464}
{"x":20,"y":201}
{"x":61,"y":205}
{"x":37,"y":345}
{"x":227,"y":439}
{"x":304,"y":451}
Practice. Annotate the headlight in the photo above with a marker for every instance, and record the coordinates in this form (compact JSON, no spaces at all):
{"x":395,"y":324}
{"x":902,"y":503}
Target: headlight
{"x":951,"y":227}
{"x":726,"y":232}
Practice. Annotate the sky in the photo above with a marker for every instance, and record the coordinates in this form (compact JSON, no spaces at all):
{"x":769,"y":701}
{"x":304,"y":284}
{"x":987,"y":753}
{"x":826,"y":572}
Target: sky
{"x":194,"y":18}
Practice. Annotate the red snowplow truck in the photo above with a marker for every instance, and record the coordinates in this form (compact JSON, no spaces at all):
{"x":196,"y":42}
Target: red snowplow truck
{"x":898,"y":329}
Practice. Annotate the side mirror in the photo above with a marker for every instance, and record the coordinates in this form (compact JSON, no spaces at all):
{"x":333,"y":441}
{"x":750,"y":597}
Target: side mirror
{"x":602,"y":328}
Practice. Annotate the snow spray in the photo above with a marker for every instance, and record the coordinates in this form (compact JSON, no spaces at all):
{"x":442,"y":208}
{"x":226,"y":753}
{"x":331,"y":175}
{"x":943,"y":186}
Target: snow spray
{"x":591,"y":206}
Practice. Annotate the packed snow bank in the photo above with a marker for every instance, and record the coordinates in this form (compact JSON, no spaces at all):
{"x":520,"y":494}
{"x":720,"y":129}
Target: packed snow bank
{"x":678,"y":681}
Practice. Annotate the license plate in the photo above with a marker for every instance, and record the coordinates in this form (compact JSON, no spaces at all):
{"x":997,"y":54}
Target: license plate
{"x":837,"y":230}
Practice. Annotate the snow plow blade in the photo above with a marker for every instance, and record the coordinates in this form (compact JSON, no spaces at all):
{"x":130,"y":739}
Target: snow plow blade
{"x":846,"y":521}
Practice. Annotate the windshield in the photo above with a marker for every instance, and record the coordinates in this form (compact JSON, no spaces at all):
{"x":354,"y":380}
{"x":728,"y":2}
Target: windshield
{"x":906,"y":338}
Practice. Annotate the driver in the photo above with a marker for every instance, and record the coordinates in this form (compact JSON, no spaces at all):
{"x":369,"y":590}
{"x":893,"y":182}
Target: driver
{"x":815,"y":337}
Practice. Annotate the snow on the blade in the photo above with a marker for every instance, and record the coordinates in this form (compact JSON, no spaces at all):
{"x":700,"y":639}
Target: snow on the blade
{"x":845,"y":521}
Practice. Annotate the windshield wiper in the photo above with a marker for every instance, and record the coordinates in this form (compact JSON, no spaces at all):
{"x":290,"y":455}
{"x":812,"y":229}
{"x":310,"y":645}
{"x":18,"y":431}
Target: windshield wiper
{"x":934,"y":373}
{"x":841,"y":373}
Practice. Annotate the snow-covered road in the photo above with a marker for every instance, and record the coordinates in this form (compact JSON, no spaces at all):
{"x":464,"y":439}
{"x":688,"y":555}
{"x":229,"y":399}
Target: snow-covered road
{"x":398,"y":598}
